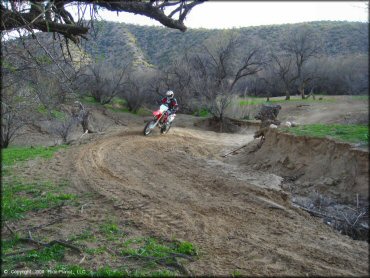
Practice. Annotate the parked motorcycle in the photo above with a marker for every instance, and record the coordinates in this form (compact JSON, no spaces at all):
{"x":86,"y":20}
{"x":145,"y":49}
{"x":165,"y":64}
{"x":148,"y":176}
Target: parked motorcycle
{"x":160,"y":119}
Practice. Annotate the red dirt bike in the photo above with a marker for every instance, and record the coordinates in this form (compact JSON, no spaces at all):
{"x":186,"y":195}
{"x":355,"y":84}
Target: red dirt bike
{"x":160,"y":119}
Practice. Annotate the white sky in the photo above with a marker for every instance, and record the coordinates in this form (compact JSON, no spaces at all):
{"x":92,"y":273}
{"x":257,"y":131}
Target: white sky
{"x":228,"y":14}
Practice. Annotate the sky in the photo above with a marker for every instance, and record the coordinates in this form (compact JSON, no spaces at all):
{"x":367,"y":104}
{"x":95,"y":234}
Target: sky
{"x":229,"y":14}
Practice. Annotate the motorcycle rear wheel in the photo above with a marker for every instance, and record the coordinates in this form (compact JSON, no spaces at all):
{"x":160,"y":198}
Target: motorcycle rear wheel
{"x":148,"y":128}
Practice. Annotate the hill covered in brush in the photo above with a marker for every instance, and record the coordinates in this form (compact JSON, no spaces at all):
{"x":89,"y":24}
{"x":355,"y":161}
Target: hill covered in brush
{"x":158,"y":46}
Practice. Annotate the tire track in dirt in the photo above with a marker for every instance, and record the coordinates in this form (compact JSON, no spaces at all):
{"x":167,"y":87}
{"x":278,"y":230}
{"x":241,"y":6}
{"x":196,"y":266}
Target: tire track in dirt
{"x":176,"y":186}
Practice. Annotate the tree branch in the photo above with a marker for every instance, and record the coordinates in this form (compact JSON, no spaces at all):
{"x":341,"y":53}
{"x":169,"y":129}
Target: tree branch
{"x":40,"y":13}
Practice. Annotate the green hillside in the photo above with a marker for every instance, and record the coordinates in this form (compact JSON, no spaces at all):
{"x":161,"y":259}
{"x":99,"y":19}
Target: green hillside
{"x":159,"y":45}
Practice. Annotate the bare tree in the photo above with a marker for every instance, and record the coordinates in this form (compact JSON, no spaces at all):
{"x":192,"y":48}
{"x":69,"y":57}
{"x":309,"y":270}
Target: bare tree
{"x":355,"y":73}
{"x":63,"y":127}
{"x":177,"y":77}
{"x":138,"y":89}
{"x":103,"y":82}
{"x":216,"y":71}
{"x":11,"y":122}
{"x":48,"y":90}
{"x":338,"y":75}
{"x":302,"y":44}
{"x":16,"y":111}
{"x":282,"y":67}
{"x":48,"y":73}
{"x":71,"y":20}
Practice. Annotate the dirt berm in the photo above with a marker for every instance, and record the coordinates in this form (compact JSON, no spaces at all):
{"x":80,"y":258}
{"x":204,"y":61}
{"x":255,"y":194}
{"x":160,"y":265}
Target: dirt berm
{"x":329,"y":167}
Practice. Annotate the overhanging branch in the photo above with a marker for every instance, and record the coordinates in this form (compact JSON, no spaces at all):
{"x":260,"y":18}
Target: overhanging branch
{"x":51,"y":16}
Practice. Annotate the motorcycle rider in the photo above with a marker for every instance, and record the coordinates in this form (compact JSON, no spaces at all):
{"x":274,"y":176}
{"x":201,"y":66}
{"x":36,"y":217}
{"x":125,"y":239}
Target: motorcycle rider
{"x":171,"y":102}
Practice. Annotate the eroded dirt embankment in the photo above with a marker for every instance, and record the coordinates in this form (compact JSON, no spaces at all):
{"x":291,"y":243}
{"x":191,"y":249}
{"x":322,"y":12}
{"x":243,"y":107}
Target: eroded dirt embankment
{"x":327,"y":178}
{"x":332,"y":168}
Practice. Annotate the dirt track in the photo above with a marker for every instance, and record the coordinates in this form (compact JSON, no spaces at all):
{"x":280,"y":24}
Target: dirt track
{"x":178,"y":186}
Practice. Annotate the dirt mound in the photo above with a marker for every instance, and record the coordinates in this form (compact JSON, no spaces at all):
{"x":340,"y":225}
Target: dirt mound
{"x":329,"y":167}
{"x":327,"y":178}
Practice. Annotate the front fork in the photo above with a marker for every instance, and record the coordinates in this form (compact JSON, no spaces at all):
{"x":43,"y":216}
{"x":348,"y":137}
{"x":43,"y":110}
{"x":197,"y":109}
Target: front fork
{"x":157,"y":121}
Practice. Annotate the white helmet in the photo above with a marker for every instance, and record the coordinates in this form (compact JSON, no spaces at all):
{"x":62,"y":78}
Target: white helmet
{"x":169,"y":94}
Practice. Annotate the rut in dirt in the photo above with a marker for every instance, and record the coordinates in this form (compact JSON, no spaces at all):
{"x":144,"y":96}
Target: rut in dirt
{"x":178,"y":186}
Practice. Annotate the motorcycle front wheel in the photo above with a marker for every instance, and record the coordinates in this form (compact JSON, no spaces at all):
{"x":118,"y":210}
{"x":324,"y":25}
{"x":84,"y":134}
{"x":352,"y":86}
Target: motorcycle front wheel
{"x":149,"y":127}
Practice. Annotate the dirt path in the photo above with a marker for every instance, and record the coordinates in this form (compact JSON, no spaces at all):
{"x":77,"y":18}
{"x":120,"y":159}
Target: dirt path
{"x":178,"y":186}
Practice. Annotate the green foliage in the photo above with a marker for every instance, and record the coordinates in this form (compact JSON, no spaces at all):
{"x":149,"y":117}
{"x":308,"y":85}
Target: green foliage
{"x":44,"y":60}
{"x":37,"y":258}
{"x":8,"y":244}
{"x":160,"y":46}
{"x":159,"y":273}
{"x":347,"y":133}
{"x":118,"y":104}
{"x":143,"y":112}
{"x":151,"y":247}
{"x":112,"y":231}
{"x":107,"y":271}
{"x":20,"y":197}
{"x":54,"y":252}
{"x":54,"y":113}
{"x":13,"y":155}
{"x":110,"y":228}
{"x":89,"y":100}
{"x":96,"y":251}
{"x":203,"y":112}
{"x":8,"y":66}
{"x":235,"y":273}
{"x":363,"y":97}
{"x":186,"y":248}
{"x":119,"y":101}
{"x":85,"y":235}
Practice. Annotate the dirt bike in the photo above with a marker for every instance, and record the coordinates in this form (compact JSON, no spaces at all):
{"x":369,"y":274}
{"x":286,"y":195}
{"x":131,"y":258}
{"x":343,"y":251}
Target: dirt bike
{"x":160,"y":119}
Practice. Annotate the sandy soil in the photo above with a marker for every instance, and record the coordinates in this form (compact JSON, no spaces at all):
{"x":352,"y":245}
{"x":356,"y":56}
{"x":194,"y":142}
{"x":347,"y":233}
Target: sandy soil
{"x":179,"y":186}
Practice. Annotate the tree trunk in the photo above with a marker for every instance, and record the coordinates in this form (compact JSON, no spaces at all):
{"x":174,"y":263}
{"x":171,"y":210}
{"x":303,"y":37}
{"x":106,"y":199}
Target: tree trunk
{"x":301,"y":91}
{"x":4,"y":143}
{"x":85,"y":122}
{"x":287,"y":95}
{"x":221,"y":119}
